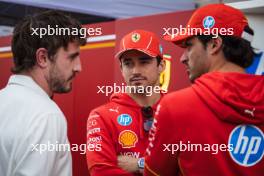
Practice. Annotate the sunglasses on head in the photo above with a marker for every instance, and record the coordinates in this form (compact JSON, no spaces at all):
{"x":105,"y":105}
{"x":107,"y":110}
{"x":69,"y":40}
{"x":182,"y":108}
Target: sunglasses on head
{"x":147,"y":112}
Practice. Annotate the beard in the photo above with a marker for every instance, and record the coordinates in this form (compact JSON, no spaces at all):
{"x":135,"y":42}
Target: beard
{"x":57,"y":82}
{"x":59,"y":86}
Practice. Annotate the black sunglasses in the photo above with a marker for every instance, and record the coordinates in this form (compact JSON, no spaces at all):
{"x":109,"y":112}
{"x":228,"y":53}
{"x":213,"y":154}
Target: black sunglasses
{"x":147,"y":112}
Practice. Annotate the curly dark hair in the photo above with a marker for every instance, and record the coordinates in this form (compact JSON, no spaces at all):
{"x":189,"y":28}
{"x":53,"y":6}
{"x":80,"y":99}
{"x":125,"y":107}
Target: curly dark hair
{"x":236,"y":50}
{"x":25,"y":45}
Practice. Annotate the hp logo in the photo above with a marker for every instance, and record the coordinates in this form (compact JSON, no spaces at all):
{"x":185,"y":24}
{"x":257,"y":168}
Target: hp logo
{"x":248,"y":145}
{"x":124,"y":120}
{"x":208,"y":22}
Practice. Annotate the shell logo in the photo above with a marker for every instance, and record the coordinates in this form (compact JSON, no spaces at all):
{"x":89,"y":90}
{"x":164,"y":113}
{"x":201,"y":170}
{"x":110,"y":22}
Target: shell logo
{"x":128,"y":139}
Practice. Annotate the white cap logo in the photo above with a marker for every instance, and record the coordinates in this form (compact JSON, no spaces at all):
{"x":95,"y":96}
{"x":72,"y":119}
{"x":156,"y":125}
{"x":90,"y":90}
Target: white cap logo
{"x":208,"y":22}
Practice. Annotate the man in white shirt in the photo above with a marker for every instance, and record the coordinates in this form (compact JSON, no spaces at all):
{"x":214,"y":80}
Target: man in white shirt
{"x":33,"y":130}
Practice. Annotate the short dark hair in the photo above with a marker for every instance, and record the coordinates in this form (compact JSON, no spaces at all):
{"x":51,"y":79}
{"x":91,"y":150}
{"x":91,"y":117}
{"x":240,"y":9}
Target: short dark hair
{"x":236,"y":50}
{"x":159,"y":59}
{"x":25,"y":45}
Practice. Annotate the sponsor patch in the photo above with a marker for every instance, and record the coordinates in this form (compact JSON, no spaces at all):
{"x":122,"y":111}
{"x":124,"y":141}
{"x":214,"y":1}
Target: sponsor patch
{"x":97,"y":139}
{"x":91,"y":123}
{"x":128,"y":139}
{"x":248,"y":145}
{"x":124,"y":119}
{"x":132,"y":154}
{"x":94,"y":130}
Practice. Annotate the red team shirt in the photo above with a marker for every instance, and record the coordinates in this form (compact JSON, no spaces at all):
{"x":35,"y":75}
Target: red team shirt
{"x":220,"y":111}
{"x":113,"y":129}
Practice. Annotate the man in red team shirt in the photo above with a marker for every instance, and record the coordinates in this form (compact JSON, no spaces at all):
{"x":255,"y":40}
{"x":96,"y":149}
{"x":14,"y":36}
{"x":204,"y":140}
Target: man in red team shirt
{"x":215,"y":127}
{"x":121,"y":126}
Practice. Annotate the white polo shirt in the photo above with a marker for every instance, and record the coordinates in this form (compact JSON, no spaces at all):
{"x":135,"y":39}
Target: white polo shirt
{"x":33,"y":132}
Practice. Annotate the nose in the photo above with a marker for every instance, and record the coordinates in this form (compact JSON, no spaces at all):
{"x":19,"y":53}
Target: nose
{"x":184,"y":58}
{"x":136,"y":69}
{"x":77,"y":65}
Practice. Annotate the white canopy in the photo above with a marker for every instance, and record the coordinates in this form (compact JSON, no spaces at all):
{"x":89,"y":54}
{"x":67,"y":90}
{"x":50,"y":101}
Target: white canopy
{"x":111,"y":8}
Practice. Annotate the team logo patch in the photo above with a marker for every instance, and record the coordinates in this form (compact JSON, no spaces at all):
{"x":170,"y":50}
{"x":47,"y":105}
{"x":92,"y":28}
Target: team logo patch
{"x":248,"y":145}
{"x":208,"y":22}
{"x":135,"y":37}
{"x":124,"y":119}
{"x":128,"y":139}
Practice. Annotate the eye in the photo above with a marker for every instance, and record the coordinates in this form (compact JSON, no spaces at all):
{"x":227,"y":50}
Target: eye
{"x":144,"y":61}
{"x":188,"y":44}
{"x":127,"y":63}
{"x":72,"y":57}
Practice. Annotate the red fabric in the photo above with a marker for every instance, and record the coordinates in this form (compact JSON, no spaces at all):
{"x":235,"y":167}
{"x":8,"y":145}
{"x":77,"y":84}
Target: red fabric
{"x":205,"y":113}
{"x":114,"y":138}
{"x":140,"y":40}
{"x":224,"y":16}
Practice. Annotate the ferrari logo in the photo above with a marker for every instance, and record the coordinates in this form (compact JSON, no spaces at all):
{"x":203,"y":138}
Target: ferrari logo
{"x":135,"y":37}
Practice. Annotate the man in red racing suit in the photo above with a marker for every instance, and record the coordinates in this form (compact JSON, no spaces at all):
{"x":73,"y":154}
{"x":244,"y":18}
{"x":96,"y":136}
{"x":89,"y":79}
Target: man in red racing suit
{"x":120,"y":127}
{"x":215,"y":127}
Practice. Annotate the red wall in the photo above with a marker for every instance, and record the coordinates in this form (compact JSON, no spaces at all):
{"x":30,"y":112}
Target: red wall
{"x":100,"y":68}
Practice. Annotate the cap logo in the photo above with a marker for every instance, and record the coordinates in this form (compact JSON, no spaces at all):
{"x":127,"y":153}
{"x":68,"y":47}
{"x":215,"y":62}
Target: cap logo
{"x":161,"y":49}
{"x":208,"y":22}
{"x":135,"y":37}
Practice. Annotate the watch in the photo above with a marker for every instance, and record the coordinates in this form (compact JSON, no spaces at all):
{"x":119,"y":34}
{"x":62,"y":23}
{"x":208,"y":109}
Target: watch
{"x":141,"y":163}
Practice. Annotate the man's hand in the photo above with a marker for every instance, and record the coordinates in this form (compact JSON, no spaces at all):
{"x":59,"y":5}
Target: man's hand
{"x":128,"y":163}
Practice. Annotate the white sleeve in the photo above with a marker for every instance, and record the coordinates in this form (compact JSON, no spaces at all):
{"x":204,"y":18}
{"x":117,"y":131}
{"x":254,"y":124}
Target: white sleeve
{"x":44,"y":150}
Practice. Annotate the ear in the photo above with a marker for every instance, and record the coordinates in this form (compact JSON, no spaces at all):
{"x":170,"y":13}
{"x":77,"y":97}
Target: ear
{"x":215,"y":45}
{"x":162,"y":66}
{"x":42,"y":57}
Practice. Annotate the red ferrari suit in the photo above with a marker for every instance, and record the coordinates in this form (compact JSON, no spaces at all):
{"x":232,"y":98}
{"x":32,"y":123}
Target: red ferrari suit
{"x":214,"y":128}
{"x":113,"y":129}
